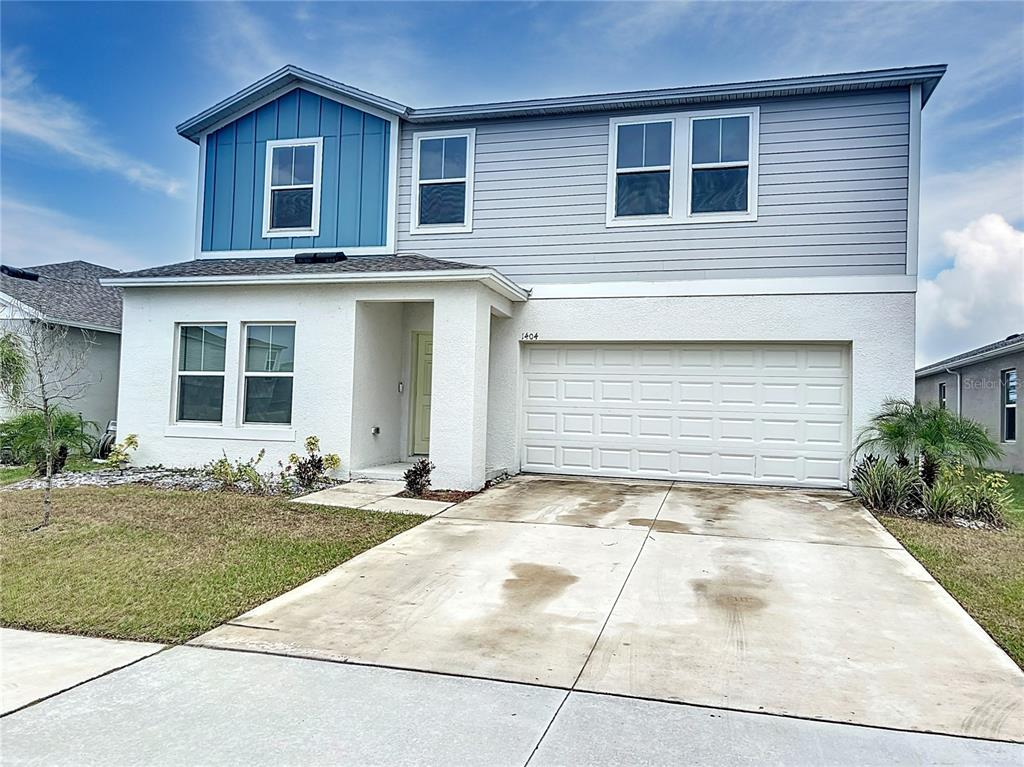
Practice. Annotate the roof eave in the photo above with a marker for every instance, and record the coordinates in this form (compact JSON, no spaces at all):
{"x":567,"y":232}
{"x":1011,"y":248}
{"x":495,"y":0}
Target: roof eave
{"x":942,"y":367}
{"x":196,"y":126}
{"x":496,"y":281}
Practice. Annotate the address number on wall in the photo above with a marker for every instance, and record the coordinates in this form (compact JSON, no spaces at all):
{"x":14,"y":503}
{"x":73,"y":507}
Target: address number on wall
{"x":530,"y":336}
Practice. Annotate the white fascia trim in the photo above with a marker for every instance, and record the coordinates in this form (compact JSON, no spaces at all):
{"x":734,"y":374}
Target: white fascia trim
{"x":945,"y":367}
{"x":365,"y":250}
{"x":771,"y":286}
{"x":914,"y":179}
{"x":35,"y":314}
{"x":492,"y":279}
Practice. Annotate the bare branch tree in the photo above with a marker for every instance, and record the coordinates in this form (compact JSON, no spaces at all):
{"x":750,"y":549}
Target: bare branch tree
{"x":52,"y":373}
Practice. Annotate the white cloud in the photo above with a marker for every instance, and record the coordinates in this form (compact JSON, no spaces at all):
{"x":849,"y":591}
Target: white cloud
{"x":28,"y":112}
{"x":980,"y":298}
{"x":32,"y":234}
{"x":953,"y":199}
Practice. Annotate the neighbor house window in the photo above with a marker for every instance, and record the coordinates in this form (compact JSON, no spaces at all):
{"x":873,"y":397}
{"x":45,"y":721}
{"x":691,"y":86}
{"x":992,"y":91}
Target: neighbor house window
{"x":942,"y":396}
{"x":683,"y":168}
{"x":291,"y":205}
{"x":719,"y":164}
{"x":200,"y":373}
{"x":443,"y":182}
{"x":643,"y":169}
{"x":269,"y":367}
{"x":1009,"y":405}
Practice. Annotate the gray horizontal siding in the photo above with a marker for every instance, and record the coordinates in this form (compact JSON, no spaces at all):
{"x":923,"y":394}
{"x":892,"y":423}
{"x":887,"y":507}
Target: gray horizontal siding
{"x":832,"y":200}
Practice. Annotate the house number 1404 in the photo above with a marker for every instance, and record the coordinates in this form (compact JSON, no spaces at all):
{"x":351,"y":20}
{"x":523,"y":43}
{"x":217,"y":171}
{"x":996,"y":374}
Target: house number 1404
{"x":531,"y":336}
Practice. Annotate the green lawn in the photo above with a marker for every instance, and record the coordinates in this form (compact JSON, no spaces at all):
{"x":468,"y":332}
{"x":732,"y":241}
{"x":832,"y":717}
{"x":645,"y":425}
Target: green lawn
{"x":982,"y":569}
{"x":160,"y":565}
{"x":11,"y":474}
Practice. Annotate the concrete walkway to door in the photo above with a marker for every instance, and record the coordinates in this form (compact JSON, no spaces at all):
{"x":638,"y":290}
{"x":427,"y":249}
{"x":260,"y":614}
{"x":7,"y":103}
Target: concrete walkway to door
{"x":790,"y":602}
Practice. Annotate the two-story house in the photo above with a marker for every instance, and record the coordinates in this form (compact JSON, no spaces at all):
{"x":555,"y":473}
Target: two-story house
{"x":704,"y":283}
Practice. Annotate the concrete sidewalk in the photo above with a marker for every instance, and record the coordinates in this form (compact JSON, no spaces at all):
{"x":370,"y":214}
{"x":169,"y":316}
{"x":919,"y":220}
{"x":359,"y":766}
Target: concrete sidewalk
{"x":34,"y":664}
{"x":192,"y":705}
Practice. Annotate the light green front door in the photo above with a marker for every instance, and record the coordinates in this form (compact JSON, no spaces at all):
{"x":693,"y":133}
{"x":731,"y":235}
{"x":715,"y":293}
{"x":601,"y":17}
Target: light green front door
{"x":422,"y":365}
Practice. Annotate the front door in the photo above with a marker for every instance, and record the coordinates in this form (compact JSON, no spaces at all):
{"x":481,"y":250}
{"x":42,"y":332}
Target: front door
{"x":422,"y":365}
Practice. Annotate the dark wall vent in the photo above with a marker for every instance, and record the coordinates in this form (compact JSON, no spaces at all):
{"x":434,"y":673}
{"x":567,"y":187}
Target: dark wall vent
{"x":320,"y":258}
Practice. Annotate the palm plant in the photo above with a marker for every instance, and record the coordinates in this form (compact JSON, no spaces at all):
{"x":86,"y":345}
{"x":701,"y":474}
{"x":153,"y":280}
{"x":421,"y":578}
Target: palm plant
{"x":26,"y":434}
{"x":926,"y":432}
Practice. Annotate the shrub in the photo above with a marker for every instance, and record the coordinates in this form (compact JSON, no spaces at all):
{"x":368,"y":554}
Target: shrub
{"x":26,"y":435}
{"x":979,"y":496}
{"x":883,"y":486}
{"x":310,"y":470}
{"x":417,"y":477}
{"x":120,"y":454}
{"x":232,"y":473}
{"x":940,"y":499}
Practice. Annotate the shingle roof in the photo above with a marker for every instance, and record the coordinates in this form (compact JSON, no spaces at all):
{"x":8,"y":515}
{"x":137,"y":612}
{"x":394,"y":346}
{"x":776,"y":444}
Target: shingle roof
{"x":1013,"y":340}
{"x":69,"y":293}
{"x":245,"y":267}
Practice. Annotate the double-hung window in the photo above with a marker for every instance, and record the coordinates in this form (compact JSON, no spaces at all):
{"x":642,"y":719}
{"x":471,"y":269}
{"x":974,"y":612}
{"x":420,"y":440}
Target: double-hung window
{"x":683,"y":168}
{"x":443,"y":182}
{"x":291,"y":200}
{"x":643,"y":169}
{"x":200,"y":373}
{"x":1009,"y":405}
{"x":719,"y":165}
{"x":269,"y":369}
{"x":942,"y":396}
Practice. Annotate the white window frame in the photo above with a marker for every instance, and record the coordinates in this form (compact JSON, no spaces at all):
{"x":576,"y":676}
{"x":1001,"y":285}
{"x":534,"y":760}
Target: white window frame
{"x":467,"y":221}
{"x":313,"y":230}
{"x":680,"y":178}
{"x":246,"y":374}
{"x":616,"y":171}
{"x":942,"y":395}
{"x":178,"y":372}
{"x":1004,"y":406}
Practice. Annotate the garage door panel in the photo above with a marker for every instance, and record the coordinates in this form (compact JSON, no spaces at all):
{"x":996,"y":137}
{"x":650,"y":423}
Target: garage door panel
{"x":775,"y":413}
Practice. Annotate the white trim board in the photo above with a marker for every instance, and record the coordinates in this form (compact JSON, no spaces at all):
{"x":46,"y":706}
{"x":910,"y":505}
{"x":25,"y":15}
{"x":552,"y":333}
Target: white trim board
{"x":914,"y":179}
{"x":728,"y":287}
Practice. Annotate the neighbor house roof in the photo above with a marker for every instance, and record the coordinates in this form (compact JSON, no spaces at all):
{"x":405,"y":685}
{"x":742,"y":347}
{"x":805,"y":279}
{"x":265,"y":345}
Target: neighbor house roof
{"x":1011,"y":343}
{"x":67,"y":293}
{"x":404,"y":267}
{"x":289,"y":76}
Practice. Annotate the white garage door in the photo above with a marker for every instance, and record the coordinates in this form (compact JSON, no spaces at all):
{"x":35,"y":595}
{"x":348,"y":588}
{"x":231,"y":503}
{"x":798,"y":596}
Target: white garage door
{"x":766,"y":414}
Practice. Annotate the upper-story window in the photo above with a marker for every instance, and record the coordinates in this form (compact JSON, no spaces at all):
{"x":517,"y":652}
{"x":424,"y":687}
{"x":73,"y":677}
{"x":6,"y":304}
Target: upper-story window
{"x":942,"y":396}
{"x":683,"y":168}
{"x":643,"y":169}
{"x":291,"y":201}
{"x":443,"y":182}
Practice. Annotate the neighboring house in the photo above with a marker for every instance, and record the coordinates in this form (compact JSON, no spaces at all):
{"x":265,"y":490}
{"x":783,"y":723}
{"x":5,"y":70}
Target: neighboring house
{"x":70,"y":294}
{"x":982,"y":385}
{"x":704,"y":283}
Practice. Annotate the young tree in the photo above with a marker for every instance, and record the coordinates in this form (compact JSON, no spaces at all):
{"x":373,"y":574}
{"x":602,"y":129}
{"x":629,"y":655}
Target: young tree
{"x":43,"y":368}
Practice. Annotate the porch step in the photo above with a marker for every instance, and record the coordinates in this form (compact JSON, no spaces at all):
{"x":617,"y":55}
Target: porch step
{"x":392,"y":471}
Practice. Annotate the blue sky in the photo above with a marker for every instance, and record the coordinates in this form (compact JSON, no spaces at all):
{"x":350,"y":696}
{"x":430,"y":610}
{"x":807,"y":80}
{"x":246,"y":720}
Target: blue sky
{"x":91,"y":92}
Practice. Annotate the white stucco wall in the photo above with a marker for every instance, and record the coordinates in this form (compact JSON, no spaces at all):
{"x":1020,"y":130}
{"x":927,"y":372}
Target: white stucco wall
{"x":343,"y":386}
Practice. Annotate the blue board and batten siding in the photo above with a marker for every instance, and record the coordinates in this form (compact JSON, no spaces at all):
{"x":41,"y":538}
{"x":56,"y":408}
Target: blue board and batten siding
{"x":832,"y":200}
{"x":354,"y":196}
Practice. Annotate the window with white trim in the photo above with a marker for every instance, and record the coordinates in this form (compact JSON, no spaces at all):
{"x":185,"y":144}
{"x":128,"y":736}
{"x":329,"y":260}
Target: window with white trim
{"x":719,"y":164}
{"x":291,"y":200}
{"x":199,"y":379}
{"x":1009,"y":405}
{"x":942,"y":396}
{"x":683,"y":168}
{"x":443,"y":182}
{"x":268,"y":373}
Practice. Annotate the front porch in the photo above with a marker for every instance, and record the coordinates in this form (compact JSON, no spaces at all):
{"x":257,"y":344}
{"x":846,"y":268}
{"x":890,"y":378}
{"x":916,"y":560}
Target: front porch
{"x":421,"y":377}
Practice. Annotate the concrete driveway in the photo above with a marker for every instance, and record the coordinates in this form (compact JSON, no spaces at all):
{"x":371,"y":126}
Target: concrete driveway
{"x":764,"y":600}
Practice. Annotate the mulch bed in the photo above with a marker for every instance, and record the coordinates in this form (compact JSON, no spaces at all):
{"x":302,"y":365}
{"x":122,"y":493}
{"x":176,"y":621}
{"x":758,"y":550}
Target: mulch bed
{"x":448,"y":496}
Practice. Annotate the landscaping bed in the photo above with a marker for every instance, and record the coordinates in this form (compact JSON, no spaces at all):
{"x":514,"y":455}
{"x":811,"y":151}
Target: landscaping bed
{"x":135,"y":562}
